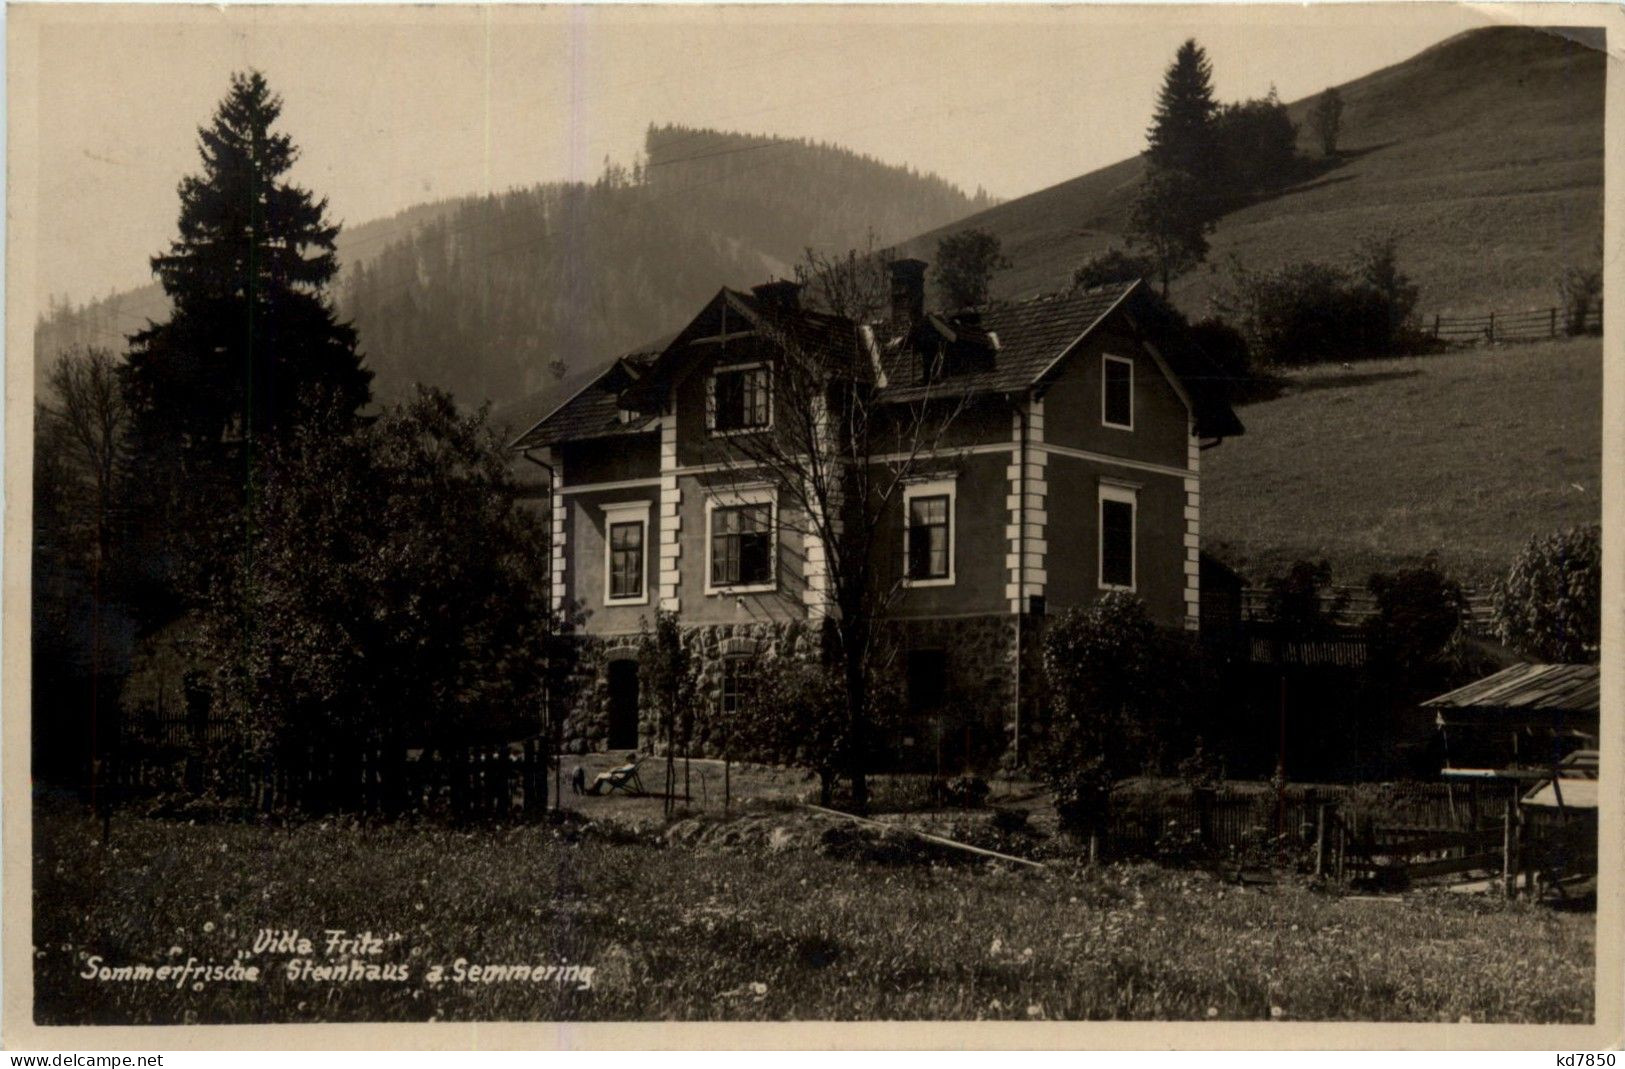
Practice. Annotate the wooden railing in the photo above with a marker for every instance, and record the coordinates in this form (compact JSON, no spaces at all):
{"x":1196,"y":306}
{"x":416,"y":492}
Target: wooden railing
{"x":1359,"y":605}
{"x":1534,"y":324}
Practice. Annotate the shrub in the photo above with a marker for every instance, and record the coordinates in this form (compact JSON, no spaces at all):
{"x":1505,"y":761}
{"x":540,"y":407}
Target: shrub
{"x":966,"y":263}
{"x":1549,"y":605}
{"x":1227,"y":350}
{"x":1113,"y":265}
{"x":796,"y":713}
{"x":1121,"y":692}
{"x":1302,"y":602}
{"x":1419,"y":611}
{"x":1257,"y":143}
{"x":1312,"y":311}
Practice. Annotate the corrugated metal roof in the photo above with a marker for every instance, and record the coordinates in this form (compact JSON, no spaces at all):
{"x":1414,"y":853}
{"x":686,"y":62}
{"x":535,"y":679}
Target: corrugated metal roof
{"x":1529,"y":688}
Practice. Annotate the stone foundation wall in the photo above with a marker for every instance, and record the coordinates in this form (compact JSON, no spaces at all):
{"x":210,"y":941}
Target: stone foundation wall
{"x":980,"y":689}
{"x":587,"y":727}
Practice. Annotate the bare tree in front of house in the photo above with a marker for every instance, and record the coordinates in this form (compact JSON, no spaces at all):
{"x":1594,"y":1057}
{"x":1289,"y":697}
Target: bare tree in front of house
{"x":839,"y":453}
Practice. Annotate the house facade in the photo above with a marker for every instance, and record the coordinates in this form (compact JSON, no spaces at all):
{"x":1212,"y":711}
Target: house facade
{"x":1064,"y":461}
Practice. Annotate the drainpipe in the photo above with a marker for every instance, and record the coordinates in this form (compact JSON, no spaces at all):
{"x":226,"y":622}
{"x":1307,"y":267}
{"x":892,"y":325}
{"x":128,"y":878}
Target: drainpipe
{"x":552,"y":481}
{"x":557,"y":741}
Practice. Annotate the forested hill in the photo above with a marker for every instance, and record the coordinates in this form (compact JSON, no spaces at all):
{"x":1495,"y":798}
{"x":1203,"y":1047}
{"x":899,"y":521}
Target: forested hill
{"x":107,"y":322}
{"x":501,"y":297}
{"x":493,"y":296}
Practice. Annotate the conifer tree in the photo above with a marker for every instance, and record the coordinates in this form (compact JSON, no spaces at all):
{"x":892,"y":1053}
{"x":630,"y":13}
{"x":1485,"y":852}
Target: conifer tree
{"x":252,"y":347}
{"x":251,"y":352}
{"x":1181,"y":135}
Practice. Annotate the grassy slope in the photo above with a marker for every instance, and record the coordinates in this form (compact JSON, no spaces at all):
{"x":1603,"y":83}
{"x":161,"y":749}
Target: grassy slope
{"x":1467,"y":453}
{"x":681,"y":932}
{"x":1483,"y":155}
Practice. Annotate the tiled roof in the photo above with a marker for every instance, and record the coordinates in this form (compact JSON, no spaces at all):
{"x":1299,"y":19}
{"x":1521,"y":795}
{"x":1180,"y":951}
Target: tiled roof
{"x":1031,"y":336}
{"x":594,"y":411}
{"x":1022,"y":342}
{"x":835,"y":337}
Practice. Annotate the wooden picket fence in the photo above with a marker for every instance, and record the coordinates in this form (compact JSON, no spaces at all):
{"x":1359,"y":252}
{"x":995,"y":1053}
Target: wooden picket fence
{"x":1359,"y":605}
{"x":1231,"y":821}
{"x":487,"y":781}
{"x":1535,"y":324}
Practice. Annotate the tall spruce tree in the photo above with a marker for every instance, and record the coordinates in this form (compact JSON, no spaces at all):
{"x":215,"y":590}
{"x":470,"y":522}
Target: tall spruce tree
{"x":1181,"y":137}
{"x":252,"y":350}
{"x":252,"y":347}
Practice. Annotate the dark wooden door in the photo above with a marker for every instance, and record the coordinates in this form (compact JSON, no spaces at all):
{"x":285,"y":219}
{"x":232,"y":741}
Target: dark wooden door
{"x":623,"y":705}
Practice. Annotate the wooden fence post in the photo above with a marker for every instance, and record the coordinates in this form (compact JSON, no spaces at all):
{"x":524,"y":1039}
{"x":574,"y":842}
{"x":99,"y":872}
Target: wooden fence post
{"x":1435,"y":325}
{"x":1552,"y":315}
{"x":1492,"y":328}
{"x":1320,"y":840}
{"x":1516,"y":864}
{"x":1507,"y":869}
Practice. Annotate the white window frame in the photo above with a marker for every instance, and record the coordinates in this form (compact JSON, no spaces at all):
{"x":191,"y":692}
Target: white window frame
{"x":932,"y":488}
{"x":1128,"y":494}
{"x":625,"y":512}
{"x":711,"y":398}
{"x":727,"y":499}
{"x":1107,"y":358}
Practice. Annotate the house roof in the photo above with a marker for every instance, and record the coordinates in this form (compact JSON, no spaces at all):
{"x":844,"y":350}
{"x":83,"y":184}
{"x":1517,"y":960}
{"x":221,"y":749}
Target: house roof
{"x":594,"y":411}
{"x":1024,"y":344}
{"x":1544,"y":694}
{"x":1031,"y":336}
{"x":1030,"y":339}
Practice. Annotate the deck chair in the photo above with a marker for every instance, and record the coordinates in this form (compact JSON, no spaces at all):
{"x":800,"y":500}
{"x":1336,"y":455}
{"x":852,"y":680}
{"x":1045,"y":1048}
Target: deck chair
{"x":622,"y":778}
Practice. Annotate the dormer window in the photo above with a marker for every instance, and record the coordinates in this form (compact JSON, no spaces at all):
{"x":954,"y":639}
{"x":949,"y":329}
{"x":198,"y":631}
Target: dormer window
{"x":740,"y":399}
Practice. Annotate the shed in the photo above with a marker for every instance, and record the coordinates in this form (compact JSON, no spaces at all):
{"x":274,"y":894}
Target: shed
{"x":1530,"y":715}
{"x":1574,"y":786}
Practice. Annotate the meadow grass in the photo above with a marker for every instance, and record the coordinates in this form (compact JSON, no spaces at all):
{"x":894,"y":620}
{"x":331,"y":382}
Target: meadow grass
{"x":1466,"y":454}
{"x":678,"y":932}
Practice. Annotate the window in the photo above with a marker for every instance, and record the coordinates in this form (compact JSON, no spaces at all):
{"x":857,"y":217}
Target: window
{"x":740,"y":542}
{"x":740,"y":399}
{"x":1117,"y":504}
{"x":735,"y":673}
{"x":928,"y":535}
{"x":1117,"y":392}
{"x":626,"y":533}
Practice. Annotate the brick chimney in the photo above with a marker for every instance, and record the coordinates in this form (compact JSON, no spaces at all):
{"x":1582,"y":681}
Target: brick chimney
{"x":781,"y":294}
{"x":907,"y":291}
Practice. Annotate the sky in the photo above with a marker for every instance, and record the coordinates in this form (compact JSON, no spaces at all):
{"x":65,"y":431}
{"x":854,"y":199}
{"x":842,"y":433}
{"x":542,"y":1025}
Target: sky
{"x":395,"y":106}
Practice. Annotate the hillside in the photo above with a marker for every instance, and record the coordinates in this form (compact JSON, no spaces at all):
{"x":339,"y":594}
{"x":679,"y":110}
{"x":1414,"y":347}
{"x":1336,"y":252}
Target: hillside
{"x":106,"y":322}
{"x":1483,"y":155}
{"x":490,"y":297}
{"x":1466,"y":454}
